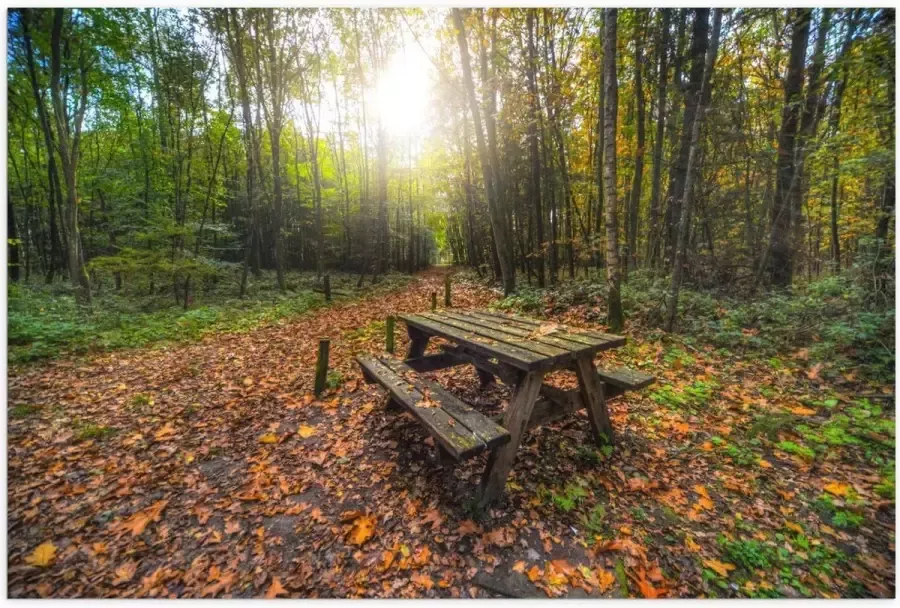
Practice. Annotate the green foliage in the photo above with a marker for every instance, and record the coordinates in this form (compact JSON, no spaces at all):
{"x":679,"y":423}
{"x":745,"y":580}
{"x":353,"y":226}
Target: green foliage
{"x":749,"y":554}
{"x":334,"y":379}
{"x":570,"y":497}
{"x":793,"y":448}
{"x":594,"y":522}
{"x":23,"y":410}
{"x":87,"y":431}
{"x":694,"y":395}
{"x":45,"y":321}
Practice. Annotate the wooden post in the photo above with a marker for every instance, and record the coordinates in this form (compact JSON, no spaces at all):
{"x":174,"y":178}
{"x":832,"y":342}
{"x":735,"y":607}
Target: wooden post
{"x":433,"y":301}
{"x":327,"y":280}
{"x":447,"y":291}
{"x":322,"y":365}
{"x":389,"y":326}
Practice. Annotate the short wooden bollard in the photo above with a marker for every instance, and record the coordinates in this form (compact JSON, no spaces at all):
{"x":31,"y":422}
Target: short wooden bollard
{"x":389,"y":341}
{"x":447,"y":291}
{"x":322,"y":365}
{"x":433,"y":301}
{"x":327,"y":280}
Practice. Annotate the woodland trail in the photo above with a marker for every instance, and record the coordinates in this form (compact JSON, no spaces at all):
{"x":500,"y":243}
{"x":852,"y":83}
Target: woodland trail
{"x":209,"y":470}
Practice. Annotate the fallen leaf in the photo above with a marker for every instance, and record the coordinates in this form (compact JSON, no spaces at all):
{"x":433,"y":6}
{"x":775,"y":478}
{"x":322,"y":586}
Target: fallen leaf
{"x":691,"y":545}
{"x":721,"y":568}
{"x":275,"y":589}
{"x":362,"y":530}
{"x":42,"y":556}
{"x":306,"y":431}
{"x":268,"y":438}
{"x":765,"y":464}
{"x":125,"y":573}
{"x":838,"y":489}
{"x":606,"y":579}
{"x":535,"y":574}
{"x":803,"y":411}
{"x":422,"y":580}
{"x":792,"y":526}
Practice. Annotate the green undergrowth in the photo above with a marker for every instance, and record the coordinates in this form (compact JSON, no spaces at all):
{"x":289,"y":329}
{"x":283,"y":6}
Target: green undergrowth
{"x":837,"y":321}
{"x":45,"y":321}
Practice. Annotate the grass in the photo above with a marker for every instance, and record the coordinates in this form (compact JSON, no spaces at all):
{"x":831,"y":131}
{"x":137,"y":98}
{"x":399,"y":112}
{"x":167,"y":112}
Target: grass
{"x":46,"y":322}
{"x":23,"y":410}
{"x":87,"y":431}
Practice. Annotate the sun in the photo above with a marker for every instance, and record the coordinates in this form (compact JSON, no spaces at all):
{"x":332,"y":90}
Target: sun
{"x":402,"y":93}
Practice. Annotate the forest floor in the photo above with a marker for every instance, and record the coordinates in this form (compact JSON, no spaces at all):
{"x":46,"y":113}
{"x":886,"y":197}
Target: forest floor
{"x":208,"y":470}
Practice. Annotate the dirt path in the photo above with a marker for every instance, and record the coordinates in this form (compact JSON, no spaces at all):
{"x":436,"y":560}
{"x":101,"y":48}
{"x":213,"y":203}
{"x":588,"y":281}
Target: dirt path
{"x":209,"y":471}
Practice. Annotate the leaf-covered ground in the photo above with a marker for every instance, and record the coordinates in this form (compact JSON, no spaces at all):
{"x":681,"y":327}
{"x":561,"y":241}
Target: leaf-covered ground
{"x":208,"y":470}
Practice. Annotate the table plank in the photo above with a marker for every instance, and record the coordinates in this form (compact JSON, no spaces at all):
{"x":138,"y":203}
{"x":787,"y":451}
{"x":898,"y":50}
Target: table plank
{"x":513,"y":355}
{"x":533,"y":346}
{"x":504,"y":321}
{"x":556,"y":339}
{"x":608,"y":340}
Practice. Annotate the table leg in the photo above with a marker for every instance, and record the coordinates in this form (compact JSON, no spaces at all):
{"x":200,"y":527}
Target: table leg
{"x":484,"y":378}
{"x":515,"y":420}
{"x":418,"y":342}
{"x":591,"y":388}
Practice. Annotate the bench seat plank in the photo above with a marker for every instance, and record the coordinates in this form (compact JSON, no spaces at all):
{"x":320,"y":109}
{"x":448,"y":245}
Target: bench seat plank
{"x":491,"y":433}
{"x":625,"y":379}
{"x":453,"y":432}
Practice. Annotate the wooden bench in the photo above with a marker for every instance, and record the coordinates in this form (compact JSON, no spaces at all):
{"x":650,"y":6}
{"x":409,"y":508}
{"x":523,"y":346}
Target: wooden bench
{"x":460,"y":431}
{"x":556,"y":403}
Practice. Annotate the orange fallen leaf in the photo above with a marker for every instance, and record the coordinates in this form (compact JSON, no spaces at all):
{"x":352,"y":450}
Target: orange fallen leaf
{"x":838,"y":489}
{"x":125,"y":573}
{"x":306,"y":431}
{"x":721,"y":568}
{"x":42,"y":556}
{"x":691,"y":545}
{"x":803,"y":411}
{"x":534,"y":574}
{"x":363,"y":529}
{"x":792,"y":526}
{"x":387,"y":558}
{"x":268,"y":438}
{"x":765,"y":464}
{"x":275,"y":589}
{"x":422,"y":580}
{"x":606,"y":579}
{"x":519,"y":567}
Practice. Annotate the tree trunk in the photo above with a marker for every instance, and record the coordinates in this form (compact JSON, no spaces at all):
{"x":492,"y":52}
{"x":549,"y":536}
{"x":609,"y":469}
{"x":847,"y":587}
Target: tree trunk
{"x":662,"y":51}
{"x":534,"y":185}
{"x":781,"y":246}
{"x":69,"y":139}
{"x":634,"y":207}
{"x":678,"y":176}
{"x":684,"y":220}
{"x":501,"y":244}
{"x":615,"y":317}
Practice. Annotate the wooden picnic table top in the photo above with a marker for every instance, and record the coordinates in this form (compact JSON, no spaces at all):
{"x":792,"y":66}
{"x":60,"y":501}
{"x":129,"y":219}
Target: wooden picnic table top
{"x":524,"y":343}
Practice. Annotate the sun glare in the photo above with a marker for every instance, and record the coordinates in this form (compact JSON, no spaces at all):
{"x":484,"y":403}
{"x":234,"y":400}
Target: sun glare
{"x":402,"y":93}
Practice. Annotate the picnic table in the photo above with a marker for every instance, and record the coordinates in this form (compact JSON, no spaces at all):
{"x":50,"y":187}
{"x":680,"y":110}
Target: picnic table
{"x":518,"y":350}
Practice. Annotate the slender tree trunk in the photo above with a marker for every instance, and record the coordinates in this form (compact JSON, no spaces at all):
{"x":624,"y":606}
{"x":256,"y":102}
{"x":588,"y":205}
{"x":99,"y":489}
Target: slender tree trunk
{"x":662,"y":51}
{"x":534,"y":185}
{"x":678,"y":174}
{"x":501,"y":244}
{"x":615,"y":316}
{"x":685,"y":219}
{"x":634,"y":207}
